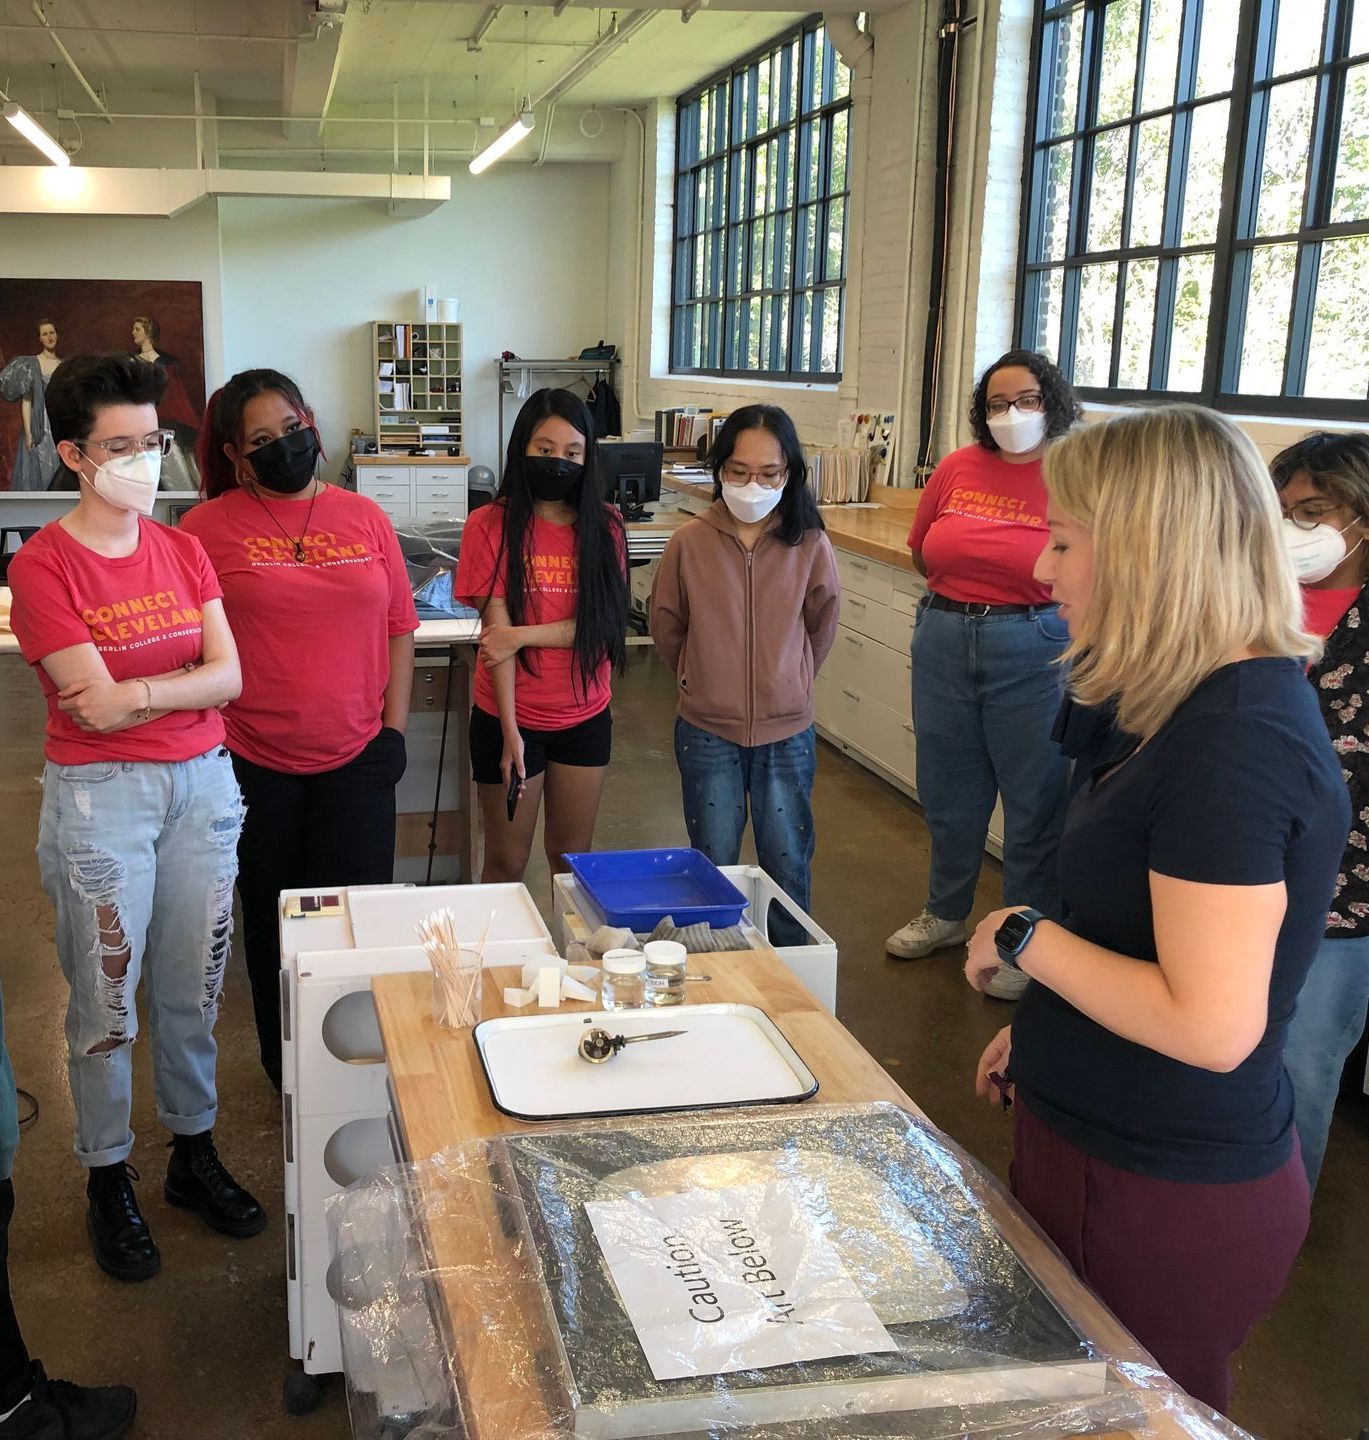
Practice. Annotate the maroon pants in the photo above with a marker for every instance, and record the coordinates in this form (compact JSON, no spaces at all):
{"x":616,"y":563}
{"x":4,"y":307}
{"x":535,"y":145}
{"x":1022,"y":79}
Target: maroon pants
{"x":1187,"y":1268}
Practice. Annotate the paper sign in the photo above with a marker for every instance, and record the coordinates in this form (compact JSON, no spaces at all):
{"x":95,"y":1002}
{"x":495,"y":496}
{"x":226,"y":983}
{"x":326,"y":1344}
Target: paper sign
{"x":716,"y":1281}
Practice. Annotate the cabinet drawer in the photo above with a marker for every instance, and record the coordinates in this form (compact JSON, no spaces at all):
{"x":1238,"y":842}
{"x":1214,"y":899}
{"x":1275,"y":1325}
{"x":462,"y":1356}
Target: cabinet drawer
{"x":393,"y":512}
{"x":863,"y":615}
{"x":371,"y":477}
{"x":441,"y":509}
{"x":892,"y":741}
{"x":388,"y":494}
{"x":848,"y":716}
{"x":887,"y":676}
{"x":908,"y":590}
{"x":453,"y":489}
{"x":900,"y":632}
{"x":846,"y":661}
{"x":440,"y":475}
{"x":865,"y":577}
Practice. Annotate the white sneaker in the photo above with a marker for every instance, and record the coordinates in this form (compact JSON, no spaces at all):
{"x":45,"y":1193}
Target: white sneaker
{"x":1007,"y":984}
{"x":921,"y":936}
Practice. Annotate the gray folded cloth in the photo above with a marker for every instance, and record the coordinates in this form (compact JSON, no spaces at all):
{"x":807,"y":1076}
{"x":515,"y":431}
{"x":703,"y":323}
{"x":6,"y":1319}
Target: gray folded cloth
{"x":578,"y":953}
{"x":606,"y":938}
{"x":700,"y":938}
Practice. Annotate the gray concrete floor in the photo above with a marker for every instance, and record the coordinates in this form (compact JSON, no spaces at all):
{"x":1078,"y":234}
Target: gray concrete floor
{"x":205,"y":1342}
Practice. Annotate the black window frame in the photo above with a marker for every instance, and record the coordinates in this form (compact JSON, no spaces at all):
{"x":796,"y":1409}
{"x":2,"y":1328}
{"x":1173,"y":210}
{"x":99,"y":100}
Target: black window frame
{"x":1236,"y":239}
{"x":730,"y":230}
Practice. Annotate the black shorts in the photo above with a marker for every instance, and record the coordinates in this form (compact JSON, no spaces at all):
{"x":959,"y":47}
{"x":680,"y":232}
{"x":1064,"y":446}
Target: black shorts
{"x":589,"y":743}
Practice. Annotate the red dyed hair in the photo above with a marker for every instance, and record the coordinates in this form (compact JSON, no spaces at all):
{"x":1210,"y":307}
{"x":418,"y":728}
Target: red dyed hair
{"x":223,"y":423}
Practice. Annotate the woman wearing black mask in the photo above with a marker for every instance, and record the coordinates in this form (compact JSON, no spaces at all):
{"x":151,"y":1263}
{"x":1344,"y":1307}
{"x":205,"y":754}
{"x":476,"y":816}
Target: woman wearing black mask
{"x":546,"y":565}
{"x":315,"y":583}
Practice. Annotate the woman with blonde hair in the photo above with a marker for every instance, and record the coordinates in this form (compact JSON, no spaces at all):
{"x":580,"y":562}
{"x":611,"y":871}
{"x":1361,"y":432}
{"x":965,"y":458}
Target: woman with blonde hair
{"x":1154,"y":1134}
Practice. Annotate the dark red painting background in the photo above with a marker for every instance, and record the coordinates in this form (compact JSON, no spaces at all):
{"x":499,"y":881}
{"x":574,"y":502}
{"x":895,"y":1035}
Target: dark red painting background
{"x":97,"y":315}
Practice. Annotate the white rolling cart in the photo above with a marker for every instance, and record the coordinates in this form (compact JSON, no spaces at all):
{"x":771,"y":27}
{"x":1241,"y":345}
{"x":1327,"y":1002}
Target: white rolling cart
{"x":335,"y":1104}
{"x":815,"y":963}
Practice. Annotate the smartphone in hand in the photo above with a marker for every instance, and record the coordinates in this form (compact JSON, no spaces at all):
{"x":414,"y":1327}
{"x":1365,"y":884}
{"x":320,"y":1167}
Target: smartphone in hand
{"x":515,"y":785}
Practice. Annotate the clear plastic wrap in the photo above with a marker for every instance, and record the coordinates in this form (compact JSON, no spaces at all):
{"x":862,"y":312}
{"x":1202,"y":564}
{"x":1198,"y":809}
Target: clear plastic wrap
{"x":835,"y":1270}
{"x":430,"y":549}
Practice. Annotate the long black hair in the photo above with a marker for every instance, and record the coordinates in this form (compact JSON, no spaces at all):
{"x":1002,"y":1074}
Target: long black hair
{"x":798,"y":510}
{"x":600,"y":541}
{"x":1063,"y":410}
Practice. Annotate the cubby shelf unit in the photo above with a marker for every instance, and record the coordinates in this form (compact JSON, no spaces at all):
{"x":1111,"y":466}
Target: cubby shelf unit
{"x":425,"y":358}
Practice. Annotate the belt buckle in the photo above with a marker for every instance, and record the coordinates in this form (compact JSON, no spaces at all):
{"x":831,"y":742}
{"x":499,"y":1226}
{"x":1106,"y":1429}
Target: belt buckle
{"x":983,"y":612}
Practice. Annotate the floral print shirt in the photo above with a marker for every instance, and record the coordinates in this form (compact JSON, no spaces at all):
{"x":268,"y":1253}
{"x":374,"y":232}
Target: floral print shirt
{"x":1341,"y":678}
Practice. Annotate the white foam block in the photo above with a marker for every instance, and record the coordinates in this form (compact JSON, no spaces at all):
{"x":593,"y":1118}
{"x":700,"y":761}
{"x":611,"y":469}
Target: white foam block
{"x":585,"y":974}
{"x":572,"y":989}
{"x":517,"y":998}
{"x":535,"y":967}
{"x":549,"y":986}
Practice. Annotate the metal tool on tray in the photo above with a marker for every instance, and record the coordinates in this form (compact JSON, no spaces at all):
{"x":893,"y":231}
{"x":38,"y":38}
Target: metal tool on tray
{"x":597,"y":1045}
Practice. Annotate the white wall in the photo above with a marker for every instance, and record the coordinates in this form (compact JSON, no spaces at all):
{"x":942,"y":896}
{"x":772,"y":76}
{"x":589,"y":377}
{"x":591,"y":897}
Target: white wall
{"x":119,"y":248}
{"x":524,"y":250}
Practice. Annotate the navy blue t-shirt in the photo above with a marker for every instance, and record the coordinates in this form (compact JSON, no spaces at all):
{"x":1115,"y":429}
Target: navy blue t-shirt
{"x":1241,"y":787}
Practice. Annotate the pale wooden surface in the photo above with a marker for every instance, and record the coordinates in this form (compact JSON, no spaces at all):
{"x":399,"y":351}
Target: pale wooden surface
{"x":441,"y":1099}
{"x":398,"y":457}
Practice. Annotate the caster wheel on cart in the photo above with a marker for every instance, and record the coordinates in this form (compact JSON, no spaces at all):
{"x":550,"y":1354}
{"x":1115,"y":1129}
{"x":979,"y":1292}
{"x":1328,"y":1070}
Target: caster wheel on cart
{"x":302,"y":1393}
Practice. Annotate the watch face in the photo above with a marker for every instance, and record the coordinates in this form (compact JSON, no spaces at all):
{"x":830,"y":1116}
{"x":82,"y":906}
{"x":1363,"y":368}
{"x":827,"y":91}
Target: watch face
{"x":1014,"y":932}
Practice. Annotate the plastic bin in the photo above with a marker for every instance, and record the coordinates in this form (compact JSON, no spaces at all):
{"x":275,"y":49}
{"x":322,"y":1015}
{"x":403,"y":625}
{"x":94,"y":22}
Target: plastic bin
{"x":639,"y":888}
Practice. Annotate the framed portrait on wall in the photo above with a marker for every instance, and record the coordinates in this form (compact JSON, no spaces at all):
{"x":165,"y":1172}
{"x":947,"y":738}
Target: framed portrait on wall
{"x":44,"y":321}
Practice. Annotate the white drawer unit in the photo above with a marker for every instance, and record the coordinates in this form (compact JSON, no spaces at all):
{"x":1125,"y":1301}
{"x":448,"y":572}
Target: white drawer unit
{"x":899,"y":635}
{"x":909,"y":588}
{"x":865,"y":616}
{"x":868,"y":578}
{"x":415,"y":491}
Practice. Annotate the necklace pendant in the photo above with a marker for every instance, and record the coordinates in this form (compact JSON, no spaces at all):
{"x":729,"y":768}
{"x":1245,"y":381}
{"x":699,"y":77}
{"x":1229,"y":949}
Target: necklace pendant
{"x":300,"y":557}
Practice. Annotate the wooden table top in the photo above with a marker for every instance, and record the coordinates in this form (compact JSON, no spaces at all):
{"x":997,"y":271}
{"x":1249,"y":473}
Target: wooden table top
{"x":441,"y":1099}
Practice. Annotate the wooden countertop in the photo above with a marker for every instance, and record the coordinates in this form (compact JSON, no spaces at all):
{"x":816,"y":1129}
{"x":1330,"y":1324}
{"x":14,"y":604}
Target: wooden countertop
{"x":880,"y":534}
{"x":484,"y":1278}
{"x":397,"y":457}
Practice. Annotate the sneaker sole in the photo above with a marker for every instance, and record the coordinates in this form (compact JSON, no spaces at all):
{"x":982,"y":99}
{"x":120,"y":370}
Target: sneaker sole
{"x":121,"y":1426}
{"x":129,"y":1273}
{"x":238,"y":1230}
{"x":948,"y":944}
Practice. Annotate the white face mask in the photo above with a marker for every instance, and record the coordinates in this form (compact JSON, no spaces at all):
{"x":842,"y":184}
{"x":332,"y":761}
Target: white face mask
{"x":1316,"y":553}
{"x":1016,"y":432}
{"x":752,"y":502}
{"x":129,"y":482}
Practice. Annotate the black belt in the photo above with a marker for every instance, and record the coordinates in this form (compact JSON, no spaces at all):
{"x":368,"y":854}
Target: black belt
{"x":967,"y":607}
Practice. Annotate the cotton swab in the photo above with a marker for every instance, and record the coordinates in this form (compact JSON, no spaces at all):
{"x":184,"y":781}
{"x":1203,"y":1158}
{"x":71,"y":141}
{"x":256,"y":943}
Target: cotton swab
{"x":456,"y":981}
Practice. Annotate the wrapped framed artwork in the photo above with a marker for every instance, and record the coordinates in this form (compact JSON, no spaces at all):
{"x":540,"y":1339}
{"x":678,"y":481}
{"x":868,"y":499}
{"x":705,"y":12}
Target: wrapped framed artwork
{"x":44,"y":321}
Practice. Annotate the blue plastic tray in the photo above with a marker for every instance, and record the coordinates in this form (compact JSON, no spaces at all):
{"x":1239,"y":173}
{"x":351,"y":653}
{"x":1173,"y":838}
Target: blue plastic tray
{"x":637,"y":888}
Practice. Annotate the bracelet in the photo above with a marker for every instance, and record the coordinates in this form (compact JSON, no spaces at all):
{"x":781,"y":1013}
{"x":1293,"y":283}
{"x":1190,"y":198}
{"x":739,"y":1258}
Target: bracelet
{"x":146,"y":712}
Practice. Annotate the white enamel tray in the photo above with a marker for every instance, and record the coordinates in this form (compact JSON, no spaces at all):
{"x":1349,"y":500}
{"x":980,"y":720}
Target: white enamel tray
{"x":729,"y":1055}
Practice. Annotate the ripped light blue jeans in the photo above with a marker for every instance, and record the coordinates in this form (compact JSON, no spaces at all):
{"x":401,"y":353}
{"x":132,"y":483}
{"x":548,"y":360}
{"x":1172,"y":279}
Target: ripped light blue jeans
{"x":139,"y":859}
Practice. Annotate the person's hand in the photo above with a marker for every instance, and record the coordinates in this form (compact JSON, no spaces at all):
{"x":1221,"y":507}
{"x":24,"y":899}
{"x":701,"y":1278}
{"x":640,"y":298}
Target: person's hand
{"x":499,"y":643}
{"x":512,"y":761}
{"x":994,"y":1063}
{"x":101,"y":705}
{"x":983,"y":961}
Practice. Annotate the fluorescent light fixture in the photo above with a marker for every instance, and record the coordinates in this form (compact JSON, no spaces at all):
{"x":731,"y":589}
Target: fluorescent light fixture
{"x":34,"y":133}
{"x":502,"y":144}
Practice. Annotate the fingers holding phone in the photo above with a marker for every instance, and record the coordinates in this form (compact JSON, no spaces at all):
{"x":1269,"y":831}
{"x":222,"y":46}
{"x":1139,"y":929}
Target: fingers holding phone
{"x":513,"y":767}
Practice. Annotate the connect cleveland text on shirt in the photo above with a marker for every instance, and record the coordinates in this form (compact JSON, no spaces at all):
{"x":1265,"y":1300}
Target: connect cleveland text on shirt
{"x":144,"y":615}
{"x":313,"y":636}
{"x":980,"y":528}
{"x":548,"y":694}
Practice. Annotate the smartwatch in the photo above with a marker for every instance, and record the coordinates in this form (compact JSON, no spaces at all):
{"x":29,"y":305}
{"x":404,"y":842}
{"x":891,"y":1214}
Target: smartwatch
{"x":1014,"y":935}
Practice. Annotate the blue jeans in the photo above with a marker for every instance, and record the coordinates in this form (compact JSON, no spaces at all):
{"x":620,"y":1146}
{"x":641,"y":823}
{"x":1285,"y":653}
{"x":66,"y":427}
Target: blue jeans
{"x":1325,"y":1028}
{"x":717,"y":778}
{"x":985,"y":694}
{"x":139,"y":859}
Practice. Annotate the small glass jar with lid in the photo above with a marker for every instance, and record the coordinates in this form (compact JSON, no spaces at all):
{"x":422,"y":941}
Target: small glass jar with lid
{"x":624,"y":986}
{"x":665,"y":972}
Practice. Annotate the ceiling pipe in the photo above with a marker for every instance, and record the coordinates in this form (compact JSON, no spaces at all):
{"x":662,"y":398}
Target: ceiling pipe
{"x":71,"y":64}
{"x":125,"y":33}
{"x":595,"y":56}
{"x":850,"y":42}
{"x":477,"y":38}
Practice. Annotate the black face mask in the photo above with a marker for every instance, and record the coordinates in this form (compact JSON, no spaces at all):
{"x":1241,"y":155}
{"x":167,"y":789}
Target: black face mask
{"x":551,"y":478}
{"x":287,"y":465}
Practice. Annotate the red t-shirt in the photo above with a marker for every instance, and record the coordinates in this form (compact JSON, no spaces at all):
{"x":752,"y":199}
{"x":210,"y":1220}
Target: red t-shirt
{"x":143,"y":613}
{"x":314,"y":638}
{"x":548,"y":694}
{"x":981,"y":527}
{"x":1323,"y":610}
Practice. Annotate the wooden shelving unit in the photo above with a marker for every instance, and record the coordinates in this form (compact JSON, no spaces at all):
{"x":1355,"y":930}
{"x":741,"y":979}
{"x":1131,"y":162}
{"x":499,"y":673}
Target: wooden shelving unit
{"x":417,"y":385}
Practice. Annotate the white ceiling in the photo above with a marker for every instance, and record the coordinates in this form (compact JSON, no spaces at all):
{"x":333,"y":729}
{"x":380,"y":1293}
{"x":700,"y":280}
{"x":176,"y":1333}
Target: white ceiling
{"x":272,"y":57}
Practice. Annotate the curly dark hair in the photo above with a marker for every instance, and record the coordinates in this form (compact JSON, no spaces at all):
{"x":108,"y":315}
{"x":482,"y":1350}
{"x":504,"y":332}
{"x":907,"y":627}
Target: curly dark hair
{"x":1062,"y":406}
{"x":1336,"y":463}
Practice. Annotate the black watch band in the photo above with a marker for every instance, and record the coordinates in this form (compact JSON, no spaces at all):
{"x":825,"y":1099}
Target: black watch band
{"x":1014,"y":935}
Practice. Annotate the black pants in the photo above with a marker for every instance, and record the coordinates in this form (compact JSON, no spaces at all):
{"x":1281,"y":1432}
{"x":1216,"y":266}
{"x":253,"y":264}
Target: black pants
{"x":16,"y":1369}
{"x":332,"y":829}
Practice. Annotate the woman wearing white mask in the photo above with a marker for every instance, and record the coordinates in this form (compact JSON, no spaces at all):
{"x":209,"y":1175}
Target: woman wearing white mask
{"x":1323,"y":484}
{"x":744,"y":611}
{"x":122,"y":620}
{"x":986,"y":686}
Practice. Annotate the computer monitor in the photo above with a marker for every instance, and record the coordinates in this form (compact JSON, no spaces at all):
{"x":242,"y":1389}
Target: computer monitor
{"x":631,"y":472}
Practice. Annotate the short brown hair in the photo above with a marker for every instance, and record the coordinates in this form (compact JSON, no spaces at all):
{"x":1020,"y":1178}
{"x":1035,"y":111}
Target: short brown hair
{"x":1337,"y":463}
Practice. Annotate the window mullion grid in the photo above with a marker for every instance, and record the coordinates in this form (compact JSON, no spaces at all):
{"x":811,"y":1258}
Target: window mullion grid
{"x":1128,"y":200}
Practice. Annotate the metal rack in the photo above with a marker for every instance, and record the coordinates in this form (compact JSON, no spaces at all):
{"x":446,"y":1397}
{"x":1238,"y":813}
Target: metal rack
{"x":592,"y":370}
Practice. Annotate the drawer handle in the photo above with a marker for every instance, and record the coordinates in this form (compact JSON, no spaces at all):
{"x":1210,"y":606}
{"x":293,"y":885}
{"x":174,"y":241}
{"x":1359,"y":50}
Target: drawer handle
{"x":852,"y":640}
{"x":858,"y":604}
{"x":851,"y":695}
{"x":439,"y":495}
{"x":858,"y":565}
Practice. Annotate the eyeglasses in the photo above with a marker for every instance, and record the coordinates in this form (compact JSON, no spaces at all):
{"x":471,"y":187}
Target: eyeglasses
{"x":159,"y":441}
{"x":1310,"y":514}
{"x":772,"y":477}
{"x":1026,"y":404}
